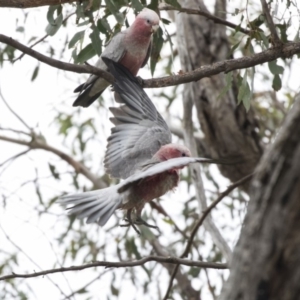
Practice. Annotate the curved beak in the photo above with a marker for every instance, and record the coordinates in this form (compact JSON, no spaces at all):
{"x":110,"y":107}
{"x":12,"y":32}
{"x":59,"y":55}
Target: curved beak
{"x":154,"y":28}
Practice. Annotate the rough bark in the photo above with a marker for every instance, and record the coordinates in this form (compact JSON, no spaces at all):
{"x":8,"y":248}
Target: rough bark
{"x":266,"y":260}
{"x":229,"y":130}
{"x":31,"y":3}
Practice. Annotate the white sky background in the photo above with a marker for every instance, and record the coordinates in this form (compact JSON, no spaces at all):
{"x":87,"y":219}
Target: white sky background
{"x":36,"y":103}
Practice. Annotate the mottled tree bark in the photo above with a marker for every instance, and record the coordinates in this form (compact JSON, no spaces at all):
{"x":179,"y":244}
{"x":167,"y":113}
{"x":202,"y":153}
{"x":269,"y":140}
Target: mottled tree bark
{"x":266,"y":260}
{"x":229,"y":130}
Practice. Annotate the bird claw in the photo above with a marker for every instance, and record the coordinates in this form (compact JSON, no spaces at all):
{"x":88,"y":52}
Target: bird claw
{"x":138,"y":221}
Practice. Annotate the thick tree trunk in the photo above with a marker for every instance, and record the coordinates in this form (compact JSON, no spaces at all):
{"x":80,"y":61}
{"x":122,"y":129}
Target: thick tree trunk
{"x":266,"y":260}
{"x":229,"y":131}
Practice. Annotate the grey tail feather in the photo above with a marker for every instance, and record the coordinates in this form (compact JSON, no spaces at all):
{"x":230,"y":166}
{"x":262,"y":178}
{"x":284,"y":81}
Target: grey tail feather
{"x":97,"y":206}
{"x":83,"y":98}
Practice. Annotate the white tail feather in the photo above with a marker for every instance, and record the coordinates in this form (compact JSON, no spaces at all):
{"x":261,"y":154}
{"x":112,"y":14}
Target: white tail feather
{"x":97,"y":206}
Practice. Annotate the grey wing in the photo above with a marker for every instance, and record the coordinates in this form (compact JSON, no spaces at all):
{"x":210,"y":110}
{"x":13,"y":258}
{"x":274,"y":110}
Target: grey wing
{"x":148,"y":53}
{"x":95,"y":85}
{"x":114,"y":50}
{"x":139,"y":130}
{"x":163,"y":166}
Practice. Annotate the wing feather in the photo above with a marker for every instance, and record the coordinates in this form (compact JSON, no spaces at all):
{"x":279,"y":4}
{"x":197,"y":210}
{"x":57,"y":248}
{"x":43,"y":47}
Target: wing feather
{"x":139,"y":129}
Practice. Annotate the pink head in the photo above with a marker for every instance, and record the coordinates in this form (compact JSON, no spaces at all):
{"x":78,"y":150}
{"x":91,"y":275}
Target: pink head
{"x":172,"y":151}
{"x":147,"y":21}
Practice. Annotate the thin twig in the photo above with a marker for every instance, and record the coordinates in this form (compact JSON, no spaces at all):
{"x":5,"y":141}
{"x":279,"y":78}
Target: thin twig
{"x":209,"y":209}
{"x":14,"y":157}
{"x":42,"y":39}
{"x":30,"y":259}
{"x":122,"y":264}
{"x":270,"y":23}
{"x":56,"y":63}
{"x":39,"y":143}
{"x":13,"y":112}
{"x":208,"y":16}
{"x":15,"y":131}
{"x":200,"y":222}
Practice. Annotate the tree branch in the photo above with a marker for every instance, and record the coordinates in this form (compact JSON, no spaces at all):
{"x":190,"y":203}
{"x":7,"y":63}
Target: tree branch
{"x":32,"y":3}
{"x":208,"y":16}
{"x":270,"y":23}
{"x":200,"y":222}
{"x":287,"y":50}
{"x":39,"y":143}
{"x":135,"y":263}
{"x":54,"y":62}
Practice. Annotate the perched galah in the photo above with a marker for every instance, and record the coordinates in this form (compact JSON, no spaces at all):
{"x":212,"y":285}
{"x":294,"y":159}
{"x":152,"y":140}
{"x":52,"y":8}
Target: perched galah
{"x":130,"y":47}
{"x":139,"y":150}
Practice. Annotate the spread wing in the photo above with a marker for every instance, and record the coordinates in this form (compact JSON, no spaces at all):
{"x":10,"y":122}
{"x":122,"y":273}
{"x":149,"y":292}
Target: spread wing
{"x":160,"y":167}
{"x":139,"y":130}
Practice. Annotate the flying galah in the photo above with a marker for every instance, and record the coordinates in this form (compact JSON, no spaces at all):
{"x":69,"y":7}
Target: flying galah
{"x":139,"y":150}
{"x":130,"y":47}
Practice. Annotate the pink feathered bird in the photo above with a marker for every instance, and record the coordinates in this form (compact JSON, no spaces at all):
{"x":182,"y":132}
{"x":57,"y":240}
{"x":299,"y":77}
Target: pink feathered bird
{"x":139,"y":150}
{"x":130,"y":47}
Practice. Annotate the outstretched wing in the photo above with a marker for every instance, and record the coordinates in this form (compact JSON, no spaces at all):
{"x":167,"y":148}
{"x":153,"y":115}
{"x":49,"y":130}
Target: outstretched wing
{"x":160,"y":167}
{"x":139,"y":130}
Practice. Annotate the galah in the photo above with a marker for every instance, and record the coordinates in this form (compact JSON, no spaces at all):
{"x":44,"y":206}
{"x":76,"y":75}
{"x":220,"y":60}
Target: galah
{"x":139,"y":150}
{"x":130,"y":47}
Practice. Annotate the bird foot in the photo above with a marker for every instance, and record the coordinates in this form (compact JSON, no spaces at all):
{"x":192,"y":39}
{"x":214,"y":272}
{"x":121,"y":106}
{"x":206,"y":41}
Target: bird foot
{"x":130,"y":223}
{"x":138,"y":221}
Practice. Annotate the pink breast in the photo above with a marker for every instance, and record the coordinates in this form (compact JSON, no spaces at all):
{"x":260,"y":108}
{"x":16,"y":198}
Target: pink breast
{"x":132,"y":63}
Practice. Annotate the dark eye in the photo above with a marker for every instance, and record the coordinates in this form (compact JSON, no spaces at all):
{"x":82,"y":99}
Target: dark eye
{"x":183,"y":154}
{"x":148,"y":21}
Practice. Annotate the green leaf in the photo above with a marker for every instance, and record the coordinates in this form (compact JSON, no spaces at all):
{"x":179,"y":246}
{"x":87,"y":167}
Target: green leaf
{"x":20,"y":29}
{"x":96,"y":42}
{"x":263,"y":37}
{"x":54,"y":23}
{"x":283,"y":29}
{"x":53,"y":171}
{"x":174,"y":3}
{"x":274,"y":68}
{"x":137,"y":5}
{"x":276,"y":85}
{"x":78,"y":36}
{"x":103,"y":26}
{"x":156,"y":48}
{"x":85,"y":54}
{"x":165,"y":21}
{"x":228,"y":80}
{"x":234,"y":47}
{"x":35,"y":73}
{"x":244,"y":94}
{"x":153,"y":4}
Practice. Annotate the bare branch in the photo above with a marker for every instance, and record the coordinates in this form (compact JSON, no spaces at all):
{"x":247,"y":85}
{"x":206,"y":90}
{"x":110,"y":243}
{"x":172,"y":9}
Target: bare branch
{"x":32,"y":3}
{"x":134,"y":263}
{"x":287,"y":50}
{"x":209,"y":209}
{"x":270,"y":23}
{"x":41,"y":39}
{"x":54,"y":62}
{"x":199,"y":223}
{"x":39,"y":143}
{"x":13,"y":112}
{"x":208,"y":16}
